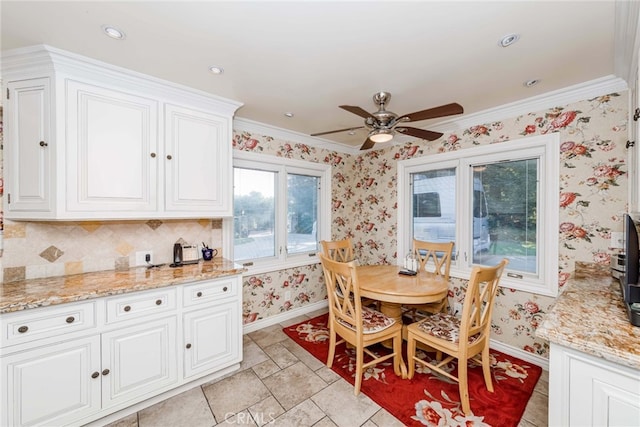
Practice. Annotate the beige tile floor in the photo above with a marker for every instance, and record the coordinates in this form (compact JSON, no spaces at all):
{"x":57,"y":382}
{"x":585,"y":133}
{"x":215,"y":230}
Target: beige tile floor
{"x":279,"y":383}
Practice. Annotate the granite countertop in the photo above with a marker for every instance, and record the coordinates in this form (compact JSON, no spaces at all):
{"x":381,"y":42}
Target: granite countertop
{"x":589,"y":316}
{"x":25,"y":294}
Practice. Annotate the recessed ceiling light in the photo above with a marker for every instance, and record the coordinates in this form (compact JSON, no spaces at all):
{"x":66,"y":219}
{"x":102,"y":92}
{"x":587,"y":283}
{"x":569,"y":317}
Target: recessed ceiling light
{"x":113,"y":32}
{"x":288,"y":114}
{"x":216,"y":70}
{"x":530,"y":83}
{"x":508,"y":40}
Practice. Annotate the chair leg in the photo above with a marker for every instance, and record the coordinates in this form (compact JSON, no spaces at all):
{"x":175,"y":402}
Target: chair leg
{"x":486,"y":368}
{"x":398,"y":363}
{"x":463,"y":386}
{"x":332,"y":347}
{"x":411,"y":354}
{"x":359,"y":370}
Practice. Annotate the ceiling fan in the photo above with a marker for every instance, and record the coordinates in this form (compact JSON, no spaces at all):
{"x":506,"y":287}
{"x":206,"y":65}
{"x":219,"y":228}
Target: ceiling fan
{"x":383,"y":124}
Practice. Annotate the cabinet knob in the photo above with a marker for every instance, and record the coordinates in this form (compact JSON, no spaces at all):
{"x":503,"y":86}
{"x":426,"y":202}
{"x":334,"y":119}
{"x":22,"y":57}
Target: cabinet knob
{"x":153,"y":155}
{"x":188,"y":346}
{"x":23,"y":329}
{"x":224,"y":289}
{"x":199,"y":294}
{"x":127,"y":308}
{"x":169,"y":157}
{"x":105,"y":372}
{"x":95,"y":375}
{"x":43,"y":144}
{"x":71,"y":319}
{"x":158,"y":301}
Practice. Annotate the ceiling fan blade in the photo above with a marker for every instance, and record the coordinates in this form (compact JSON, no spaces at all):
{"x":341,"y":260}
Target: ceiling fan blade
{"x":367,"y":144}
{"x":335,"y":131}
{"x":419,"y":133}
{"x":431,"y":113}
{"x":356,"y":110}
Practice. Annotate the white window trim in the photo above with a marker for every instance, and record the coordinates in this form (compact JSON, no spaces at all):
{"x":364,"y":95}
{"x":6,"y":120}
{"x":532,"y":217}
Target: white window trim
{"x":549,"y":147}
{"x":267,"y":162}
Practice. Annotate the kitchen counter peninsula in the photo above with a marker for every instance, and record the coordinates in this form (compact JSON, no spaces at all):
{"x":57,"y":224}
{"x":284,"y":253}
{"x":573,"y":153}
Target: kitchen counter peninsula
{"x":33,"y":293}
{"x":594,"y":359}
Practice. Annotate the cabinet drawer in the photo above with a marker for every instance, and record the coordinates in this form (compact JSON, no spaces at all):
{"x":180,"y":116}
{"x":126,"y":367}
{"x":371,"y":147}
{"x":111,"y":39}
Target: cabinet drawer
{"x":206,"y":292}
{"x":139,"y":304}
{"x":40,"y":323}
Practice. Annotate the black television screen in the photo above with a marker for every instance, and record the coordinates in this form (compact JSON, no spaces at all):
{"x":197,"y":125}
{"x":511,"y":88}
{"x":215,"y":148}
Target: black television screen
{"x":630,"y":287}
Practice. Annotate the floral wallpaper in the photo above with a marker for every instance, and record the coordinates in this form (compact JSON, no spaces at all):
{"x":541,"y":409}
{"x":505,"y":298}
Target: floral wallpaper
{"x":593,"y":194}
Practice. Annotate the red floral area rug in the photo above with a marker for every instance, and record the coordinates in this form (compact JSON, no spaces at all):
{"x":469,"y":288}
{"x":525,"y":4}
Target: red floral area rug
{"x":429,"y":398}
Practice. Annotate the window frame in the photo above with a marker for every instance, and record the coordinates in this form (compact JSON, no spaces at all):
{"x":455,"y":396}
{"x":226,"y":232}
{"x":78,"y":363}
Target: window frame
{"x":283,"y":166}
{"x":546,"y":149}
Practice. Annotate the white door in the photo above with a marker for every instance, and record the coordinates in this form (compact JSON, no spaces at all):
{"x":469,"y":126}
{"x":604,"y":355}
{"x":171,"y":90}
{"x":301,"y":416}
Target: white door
{"x":197,"y":162}
{"x":112,"y":150}
{"x":138,"y":361}
{"x":53,"y":385}
{"x":28,"y":146}
{"x":209,"y":339}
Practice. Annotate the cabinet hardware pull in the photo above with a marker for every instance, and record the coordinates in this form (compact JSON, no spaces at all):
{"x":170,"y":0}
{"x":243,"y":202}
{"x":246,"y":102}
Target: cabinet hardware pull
{"x":43,"y":144}
{"x":71,"y":319}
{"x":224,"y":289}
{"x":630,"y":144}
{"x":105,"y":372}
{"x":188,"y":345}
{"x":95,"y":375}
{"x":169,"y":157}
{"x":636,"y":114}
{"x":199,"y":294}
{"x":127,"y":308}
{"x":23,"y":329}
{"x":158,"y":301}
{"x":153,"y":155}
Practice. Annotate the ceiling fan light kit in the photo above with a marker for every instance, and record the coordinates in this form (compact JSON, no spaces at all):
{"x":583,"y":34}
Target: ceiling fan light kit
{"x":383,"y":124}
{"x":381,"y":135}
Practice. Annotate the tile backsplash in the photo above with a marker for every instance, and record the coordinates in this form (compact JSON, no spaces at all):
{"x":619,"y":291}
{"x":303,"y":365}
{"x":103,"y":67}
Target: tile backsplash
{"x":43,"y":249}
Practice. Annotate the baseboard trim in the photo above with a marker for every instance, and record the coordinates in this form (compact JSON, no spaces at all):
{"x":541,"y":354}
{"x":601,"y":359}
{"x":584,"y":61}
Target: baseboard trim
{"x":520,"y":354}
{"x":282,"y":317}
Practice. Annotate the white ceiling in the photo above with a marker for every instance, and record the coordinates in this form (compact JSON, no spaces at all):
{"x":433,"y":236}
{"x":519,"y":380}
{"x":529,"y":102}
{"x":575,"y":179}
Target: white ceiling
{"x":309,"y":57}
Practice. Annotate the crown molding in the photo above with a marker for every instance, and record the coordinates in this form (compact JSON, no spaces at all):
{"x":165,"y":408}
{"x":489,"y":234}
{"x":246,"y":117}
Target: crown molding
{"x":579,"y":92}
{"x":245,"y":125}
{"x":626,"y":40}
{"x":568,"y":95}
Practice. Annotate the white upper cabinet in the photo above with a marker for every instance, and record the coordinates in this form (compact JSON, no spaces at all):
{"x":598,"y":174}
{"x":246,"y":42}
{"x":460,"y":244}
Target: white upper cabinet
{"x":87,"y":140}
{"x":28,"y":157}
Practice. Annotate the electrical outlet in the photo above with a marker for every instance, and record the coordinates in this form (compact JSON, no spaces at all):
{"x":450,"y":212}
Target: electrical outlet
{"x":144,"y":258}
{"x":287,"y":296}
{"x":457,"y":308}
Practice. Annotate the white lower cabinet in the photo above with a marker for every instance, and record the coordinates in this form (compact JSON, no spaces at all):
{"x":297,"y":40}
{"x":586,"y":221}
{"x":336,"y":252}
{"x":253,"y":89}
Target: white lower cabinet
{"x":588,"y":391}
{"x":72,"y":364}
{"x":208,"y":342}
{"x":51,"y":385}
{"x":138,"y":361}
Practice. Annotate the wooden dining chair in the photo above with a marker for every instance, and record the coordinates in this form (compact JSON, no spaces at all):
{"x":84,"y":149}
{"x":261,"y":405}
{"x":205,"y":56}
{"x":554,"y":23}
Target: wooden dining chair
{"x":342,"y":251}
{"x":434,"y":257}
{"x":356,"y":324}
{"x":463,"y":338}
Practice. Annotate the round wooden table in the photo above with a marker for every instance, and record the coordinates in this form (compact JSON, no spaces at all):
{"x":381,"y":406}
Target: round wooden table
{"x":383,"y":283}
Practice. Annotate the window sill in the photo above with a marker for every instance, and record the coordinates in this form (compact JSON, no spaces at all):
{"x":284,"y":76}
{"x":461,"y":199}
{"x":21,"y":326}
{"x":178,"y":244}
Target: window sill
{"x":260,"y":268}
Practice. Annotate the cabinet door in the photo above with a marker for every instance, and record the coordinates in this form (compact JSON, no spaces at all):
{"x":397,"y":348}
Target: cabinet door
{"x":112,"y":152}
{"x":28,"y":146}
{"x":197,"y":162}
{"x":51,"y":385}
{"x":213,"y":339}
{"x":138,"y":361}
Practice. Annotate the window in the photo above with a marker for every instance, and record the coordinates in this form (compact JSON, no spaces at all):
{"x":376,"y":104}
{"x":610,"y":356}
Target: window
{"x":497,"y":201}
{"x":281,"y":211}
